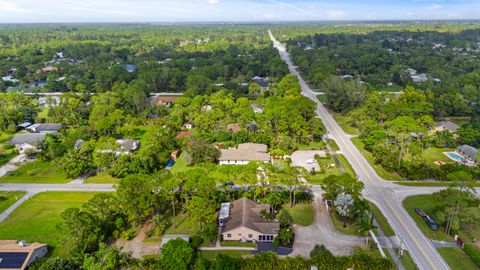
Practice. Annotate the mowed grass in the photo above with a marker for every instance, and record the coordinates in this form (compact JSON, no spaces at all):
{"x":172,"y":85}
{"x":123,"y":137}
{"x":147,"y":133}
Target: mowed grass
{"x":36,"y":219}
{"x":7,"y":152}
{"x":346,"y":165}
{"x":7,"y":198}
{"x":212,"y":254}
{"x":35,"y":172}
{"x":427,"y":204}
{"x":320,"y":145}
{"x":381,"y":220}
{"x":350,"y":228}
{"x":182,"y":225}
{"x":370,"y":158}
{"x":180,"y":165}
{"x":101,"y":178}
{"x":301,"y":213}
{"x":431,"y":155}
{"x":333,"y":145}
{"x":428,"y":183}
{"x":326,"y":169}
{"x":457,"y":259}
{"x":344,"y":122}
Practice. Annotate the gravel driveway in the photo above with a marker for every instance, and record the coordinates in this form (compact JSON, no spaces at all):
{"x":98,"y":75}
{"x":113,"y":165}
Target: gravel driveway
{"x":322,"y":231}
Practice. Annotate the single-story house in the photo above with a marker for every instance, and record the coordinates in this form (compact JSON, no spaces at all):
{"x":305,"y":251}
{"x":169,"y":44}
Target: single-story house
{"x":27,"y":141}
{"x":235,"y":127}
{"x":419,"y":78}
{"x":241,"y":221}
{"x":262,"y":82}
{"x":469,"y":152}
{"x":23,"y":126}
{"x":51,"y":101}
{"x":411,"y":71}
{"x":165,"y":100}
{"x":45,"y":128}
{"x":245,"y":153}
{"x":10,"y":78}
{"x":19,"y":255}
{"x":128,"y":145}
{"x":183,"y":134}
{"x":446,"y":125}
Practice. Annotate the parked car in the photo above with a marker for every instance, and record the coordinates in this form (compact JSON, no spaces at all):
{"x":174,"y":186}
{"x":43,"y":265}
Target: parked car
{"x":430,"y":221}
{"x":170,"y":163}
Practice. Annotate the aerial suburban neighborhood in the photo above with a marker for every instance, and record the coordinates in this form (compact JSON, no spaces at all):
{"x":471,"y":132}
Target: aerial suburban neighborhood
{"x":222,"y":144}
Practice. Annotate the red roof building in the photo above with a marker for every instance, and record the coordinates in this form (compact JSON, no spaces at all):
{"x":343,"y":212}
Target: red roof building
{"x":183,"y":134}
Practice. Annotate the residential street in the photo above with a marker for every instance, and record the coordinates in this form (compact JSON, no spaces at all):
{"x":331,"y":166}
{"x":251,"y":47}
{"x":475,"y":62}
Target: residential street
{"x":376,"y":189}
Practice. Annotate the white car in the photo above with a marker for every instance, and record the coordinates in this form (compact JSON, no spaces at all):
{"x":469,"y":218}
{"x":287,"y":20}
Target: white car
{"x":311,"y":161}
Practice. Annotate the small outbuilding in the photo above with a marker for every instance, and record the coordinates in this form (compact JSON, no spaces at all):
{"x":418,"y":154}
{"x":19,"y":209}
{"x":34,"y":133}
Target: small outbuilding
{"x":20,"y":255}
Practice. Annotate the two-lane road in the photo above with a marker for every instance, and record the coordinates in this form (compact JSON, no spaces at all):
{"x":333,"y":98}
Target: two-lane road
{"x":376,"y":189}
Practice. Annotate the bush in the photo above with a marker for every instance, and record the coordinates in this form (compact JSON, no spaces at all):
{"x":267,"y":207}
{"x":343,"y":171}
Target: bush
{"x":196,"y":241}
{"x":129,"y":234}
{"x":473,"y":253}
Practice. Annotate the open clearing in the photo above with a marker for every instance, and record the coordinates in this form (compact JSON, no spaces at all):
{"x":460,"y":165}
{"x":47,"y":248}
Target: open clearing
{"x":35,"y":172}
{"x":36,"y":218}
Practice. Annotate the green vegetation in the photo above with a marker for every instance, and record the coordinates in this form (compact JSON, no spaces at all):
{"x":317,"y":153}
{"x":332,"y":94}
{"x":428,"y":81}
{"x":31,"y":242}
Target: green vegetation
{"x":427,"y":183}
{"x":322,"y":98}
{"x":182,"y":225}
{"x":318,"y":145}
{"x":35,"y":172}
{"x":6,"y":153}
{"x":180,"y":165}
{"x":371,"y":159}
{"x":237,"y":244}
{"x":345,"y":123}
{"x":350,"y":228}
{"x":101,"y":178}
{"x":427,"y":204}
{"x":407,"y":260}
{"x":327,"y":168}
{"x":36,"y":218}
{"x":433,"y":154}
{"x":212,"y":254}
{"x":333,"y":145}
{"x":457,"y":259}
{"x":7,"y":198}
{"x":346,"y":165}
{"x":381,"y":220}
{"x":302,"y":214}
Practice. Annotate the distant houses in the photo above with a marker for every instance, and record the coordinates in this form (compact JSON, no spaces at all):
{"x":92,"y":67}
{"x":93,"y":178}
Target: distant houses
{"x":125,"y":147}
{"x":20,"y":255}
{"x":469,"y":152}
{"x":257,"y":108}
{"x":165,"y":100}
{"x":261,"y":81}
{"x":245,"y":153}
{"x":242,"y":221}
{"x":45,"y":128}
{"x":183,"y":134}
{"x":446,"y":126}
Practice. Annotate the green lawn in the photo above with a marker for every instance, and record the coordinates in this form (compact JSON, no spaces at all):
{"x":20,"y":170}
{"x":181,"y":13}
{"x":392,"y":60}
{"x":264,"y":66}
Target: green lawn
{"x":182,"y":225}
{"x":322,"y":98}
{"x":320,"y":145}
{"x":326,"y":170}
{"x":344,"y":122}
{"x":427,"y":204}
{"x":237,"y":244}
{"x":407,"y":260}
{"x":333,"y":145}
{"x":7,"y":152}
{"x":381,"y":220}
{"x":4,"y":137}
{"x":36,"y":219}
{"x":7,"y":198}
{"x":370,"y":158}
{"x":138,"y":132}
{"x":180,"y":165}
{"x":35,"y":172}
{"x":427,"y":183}
{"x":101,"y":178}
{"x":281,"y":163}
{"x":346,"y":165}
{"x":43,"y":113}
{"x":212,"y":254}
{"x":351,"y":228}
{"x":457,"y":259}
{"x":301,"y":213}
{"x":433,"y":154}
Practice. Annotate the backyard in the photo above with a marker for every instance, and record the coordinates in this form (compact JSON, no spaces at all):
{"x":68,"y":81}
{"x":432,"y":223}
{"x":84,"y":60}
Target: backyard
{"x":35,"y":172}
{"x":301,"y":213}
{"x":36,"y":219}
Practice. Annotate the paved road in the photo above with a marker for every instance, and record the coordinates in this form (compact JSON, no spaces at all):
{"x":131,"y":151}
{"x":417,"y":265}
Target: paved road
{"x":376,"y":189}
{"x":58,"y":187}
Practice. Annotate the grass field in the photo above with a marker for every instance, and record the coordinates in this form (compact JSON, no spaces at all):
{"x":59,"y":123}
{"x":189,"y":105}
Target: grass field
{"x":381,"y":220}
{"x":457,"y":259}
{"x":43,"y":113}
{"x":427,"y":183}
{"x":344,"y":122}
{"x":427,"y":204}
{"x":333,"y":145}
{"x":4,"y":137}
{"x":322,"y":99}
{"x":35,"y":172}
{"x":431,"y":155}
{"x":320,"y":145}
{"x":237,"y":244}
{"x":180,"y":165}
{"x":301,"y":213}
{"x":407,"y":260}
{"x":326,"y":170}
{"x":7,"y":198}
{"x":212,"y":254}
{"x":351,"y":228}
{"x":182,"y":225}
{"x":378,"y":168}
{"x":346,"y":165}
{"x":35,"y":219}
{"x":6,"y":153}
{"x":101,"y":178}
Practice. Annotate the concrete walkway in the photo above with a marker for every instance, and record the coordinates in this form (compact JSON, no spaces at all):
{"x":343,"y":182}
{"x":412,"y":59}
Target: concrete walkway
{"x":12,"y":208}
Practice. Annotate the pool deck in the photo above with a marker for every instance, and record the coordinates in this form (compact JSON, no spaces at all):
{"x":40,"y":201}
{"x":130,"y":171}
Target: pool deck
{"x":462,"y":161}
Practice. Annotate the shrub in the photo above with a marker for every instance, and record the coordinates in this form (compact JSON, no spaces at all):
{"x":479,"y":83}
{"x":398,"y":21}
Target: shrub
{"x":473,"y":253}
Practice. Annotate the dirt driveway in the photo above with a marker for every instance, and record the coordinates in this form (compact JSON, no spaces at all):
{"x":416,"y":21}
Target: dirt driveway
{"x":322,"y":231}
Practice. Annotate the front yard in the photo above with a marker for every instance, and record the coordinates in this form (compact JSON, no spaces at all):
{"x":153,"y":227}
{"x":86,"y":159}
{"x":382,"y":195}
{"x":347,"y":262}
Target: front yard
{"x":7,"y":198}
{"x":101,"y":178}
{"x":35,"y":172}
{"x":36,"y":219}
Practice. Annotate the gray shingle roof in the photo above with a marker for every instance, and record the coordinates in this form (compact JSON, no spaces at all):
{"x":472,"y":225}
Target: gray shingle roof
{"x":468,"y":150}
{"x":246,"y":213}
{"x":448,"y":125}
{"x":27,"y":138}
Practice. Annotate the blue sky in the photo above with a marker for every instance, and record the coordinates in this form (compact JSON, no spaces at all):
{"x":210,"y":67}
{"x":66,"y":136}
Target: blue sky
{"x":13,"y":11}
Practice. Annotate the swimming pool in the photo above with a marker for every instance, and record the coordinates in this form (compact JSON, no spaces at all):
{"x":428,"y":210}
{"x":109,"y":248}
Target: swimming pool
{"x":454,"y":156}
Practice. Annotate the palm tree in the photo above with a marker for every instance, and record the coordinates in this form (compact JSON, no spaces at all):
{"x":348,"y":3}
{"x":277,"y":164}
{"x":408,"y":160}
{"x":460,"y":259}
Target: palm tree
{"x":275,"y":200}
{"x":366,"y":224}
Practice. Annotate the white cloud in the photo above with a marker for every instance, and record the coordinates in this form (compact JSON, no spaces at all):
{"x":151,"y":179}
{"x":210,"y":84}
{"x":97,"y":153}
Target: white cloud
{"x":336,"y":14}
{"x":213,"y":2}
{"x":434,"y":6}
{"x":6,"y":6}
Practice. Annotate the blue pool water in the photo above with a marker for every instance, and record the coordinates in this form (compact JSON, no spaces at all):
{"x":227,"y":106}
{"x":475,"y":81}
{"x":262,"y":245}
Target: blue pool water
{"x":455,"y":156}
